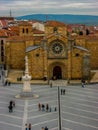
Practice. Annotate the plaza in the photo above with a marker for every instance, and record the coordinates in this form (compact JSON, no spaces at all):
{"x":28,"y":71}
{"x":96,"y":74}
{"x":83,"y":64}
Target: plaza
{"x":78,"y":106}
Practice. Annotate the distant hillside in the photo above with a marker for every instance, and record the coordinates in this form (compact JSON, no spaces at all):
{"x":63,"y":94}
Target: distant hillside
{"x":66,"y":18}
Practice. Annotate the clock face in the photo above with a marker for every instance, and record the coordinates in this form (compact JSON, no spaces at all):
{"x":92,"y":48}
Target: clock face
{"x":57,"y":48}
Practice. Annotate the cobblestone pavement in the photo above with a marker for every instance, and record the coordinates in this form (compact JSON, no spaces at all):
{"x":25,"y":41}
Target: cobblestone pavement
{"x":79,"y":108}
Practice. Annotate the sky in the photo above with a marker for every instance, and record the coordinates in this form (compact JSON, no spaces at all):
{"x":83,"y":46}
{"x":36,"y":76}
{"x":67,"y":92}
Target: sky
{"x":26,"y":7}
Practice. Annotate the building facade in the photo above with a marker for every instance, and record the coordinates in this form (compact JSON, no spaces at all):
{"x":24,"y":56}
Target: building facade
{"x":54,"y":55}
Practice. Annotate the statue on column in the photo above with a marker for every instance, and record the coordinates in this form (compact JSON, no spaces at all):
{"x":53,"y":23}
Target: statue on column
{"x":26,"y":78}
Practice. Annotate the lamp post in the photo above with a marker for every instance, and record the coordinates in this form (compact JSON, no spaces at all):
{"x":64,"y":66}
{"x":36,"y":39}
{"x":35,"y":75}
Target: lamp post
{"x":59,"y":111}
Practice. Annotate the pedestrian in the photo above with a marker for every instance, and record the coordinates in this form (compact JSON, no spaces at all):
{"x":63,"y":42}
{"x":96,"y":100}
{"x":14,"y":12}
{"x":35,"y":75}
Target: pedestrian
{"x":50,"y":84}
{"x":10,"y":108}
{"x":29,"y":127}
{"x":43,"y":128}
{"x":64,"y":91}
{"x":43,"y":107}
{"x":11,"y":103}
{"x":5,"y":83}
{"x":9,"y":83}
{"x":55,"y":109}
{"x":47,"y":107}
{"x":0,"y":76}
{"x":26,"y":127}
{"x":46,"y":128}
{"x":83,"y":83}
{"x":61,"y":91}
{"x":39,"y":106}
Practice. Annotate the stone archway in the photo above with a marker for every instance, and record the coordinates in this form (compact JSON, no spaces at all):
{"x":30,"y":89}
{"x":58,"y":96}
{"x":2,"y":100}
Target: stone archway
{"x":57,"y":72}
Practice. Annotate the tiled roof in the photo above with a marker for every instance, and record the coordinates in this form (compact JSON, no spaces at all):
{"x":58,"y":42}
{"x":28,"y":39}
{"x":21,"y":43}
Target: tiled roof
{"x":4,"y":23}
{"x":3,"y":33}
{"x":25,"y":23}
{"x":54,"y":24}
{"x":14,"y":29}
{"x":36,"y":31}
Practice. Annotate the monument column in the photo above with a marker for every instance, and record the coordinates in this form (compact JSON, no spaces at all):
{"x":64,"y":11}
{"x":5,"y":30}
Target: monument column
{"x":26,"y":78}
{"x":26,"y":91}
{"x":45,"y":59}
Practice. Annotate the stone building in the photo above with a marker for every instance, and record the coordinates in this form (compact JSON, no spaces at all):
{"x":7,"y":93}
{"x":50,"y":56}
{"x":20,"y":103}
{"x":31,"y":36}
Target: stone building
{"x":3,"y":37}
{"x":53,"y":55}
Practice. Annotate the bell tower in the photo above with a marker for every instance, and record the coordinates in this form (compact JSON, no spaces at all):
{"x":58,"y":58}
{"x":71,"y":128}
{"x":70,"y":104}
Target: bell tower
{"x":25,"y":29}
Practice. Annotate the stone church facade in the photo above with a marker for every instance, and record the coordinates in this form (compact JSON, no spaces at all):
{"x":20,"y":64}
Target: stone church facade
{"x":54,"y":55}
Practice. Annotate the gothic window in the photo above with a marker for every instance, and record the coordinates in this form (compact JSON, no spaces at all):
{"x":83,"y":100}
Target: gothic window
{"x":2,"y":42}
{"x":2,"y":48}
{"x":23,"y":30}
{"x":26,"y":30}
{"x":57,"y":47}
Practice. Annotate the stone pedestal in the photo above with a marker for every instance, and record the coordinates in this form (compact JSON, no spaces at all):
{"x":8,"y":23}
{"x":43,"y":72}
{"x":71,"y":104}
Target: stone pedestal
{"x":26,"y":91}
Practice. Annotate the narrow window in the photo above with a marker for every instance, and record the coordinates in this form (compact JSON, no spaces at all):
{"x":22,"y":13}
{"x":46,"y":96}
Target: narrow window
{"x":2,"y":58}
{"x":2,"y":42}
{"x":77,"y":55}
{"x":26,"y":30}
{"x":23,"y":30}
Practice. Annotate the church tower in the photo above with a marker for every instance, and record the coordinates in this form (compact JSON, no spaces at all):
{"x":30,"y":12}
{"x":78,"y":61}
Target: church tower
{"x":25,"y":29}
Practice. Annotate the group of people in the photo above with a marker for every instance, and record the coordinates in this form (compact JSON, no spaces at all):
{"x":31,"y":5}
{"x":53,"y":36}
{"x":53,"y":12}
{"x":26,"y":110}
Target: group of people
{"x":45,"y":107}
{"x":45,"y":128}
{"x":63,"y":91}
{"x":7,"y":83}
{"x":28,"y":126}
{"x":11,"y":106}
{"x":19,"y":79}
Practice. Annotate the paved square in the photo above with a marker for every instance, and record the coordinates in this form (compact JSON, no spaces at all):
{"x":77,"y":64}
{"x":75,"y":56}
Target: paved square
{"x":79,"y":108}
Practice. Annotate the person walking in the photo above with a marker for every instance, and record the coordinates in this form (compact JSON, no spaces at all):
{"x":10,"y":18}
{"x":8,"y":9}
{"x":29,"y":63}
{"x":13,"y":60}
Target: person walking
{"x":29,"y":127}
{"x":47,"y":107}
{"x":64,"y":91}
{"x":26,"y":127}
{"x":39,"y":106}
{"x":43,"y":107}
{"x":83,"y":83}
{"x":43,"y":128}
{"x":10,"y":108}
{"x":61,"y":91}
{"x":46,"y":128}
{"x":51,"y":84}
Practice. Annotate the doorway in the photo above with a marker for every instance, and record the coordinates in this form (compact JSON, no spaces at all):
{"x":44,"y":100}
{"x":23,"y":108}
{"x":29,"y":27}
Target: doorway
{"x":57,"y":72}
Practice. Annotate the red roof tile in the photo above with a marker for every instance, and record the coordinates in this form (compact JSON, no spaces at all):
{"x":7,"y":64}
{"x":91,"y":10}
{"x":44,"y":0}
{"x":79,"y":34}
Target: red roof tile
{"x":3,"y":33}
{"x":36,"y":31}
{"x":54,"y":24}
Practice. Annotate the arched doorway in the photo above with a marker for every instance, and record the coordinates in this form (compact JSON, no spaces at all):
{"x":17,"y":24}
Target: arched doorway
{"x":57,"y":72}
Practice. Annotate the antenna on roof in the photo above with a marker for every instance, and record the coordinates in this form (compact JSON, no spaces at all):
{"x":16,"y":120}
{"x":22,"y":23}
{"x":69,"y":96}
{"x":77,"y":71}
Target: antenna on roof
{"x":10,"y":13}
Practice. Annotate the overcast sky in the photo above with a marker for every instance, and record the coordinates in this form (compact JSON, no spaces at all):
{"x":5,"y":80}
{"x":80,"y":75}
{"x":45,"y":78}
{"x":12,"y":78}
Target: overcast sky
{"x":24,"y":7}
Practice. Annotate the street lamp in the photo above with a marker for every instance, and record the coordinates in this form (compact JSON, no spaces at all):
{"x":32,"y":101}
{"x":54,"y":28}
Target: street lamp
{"x":59,"y":111}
